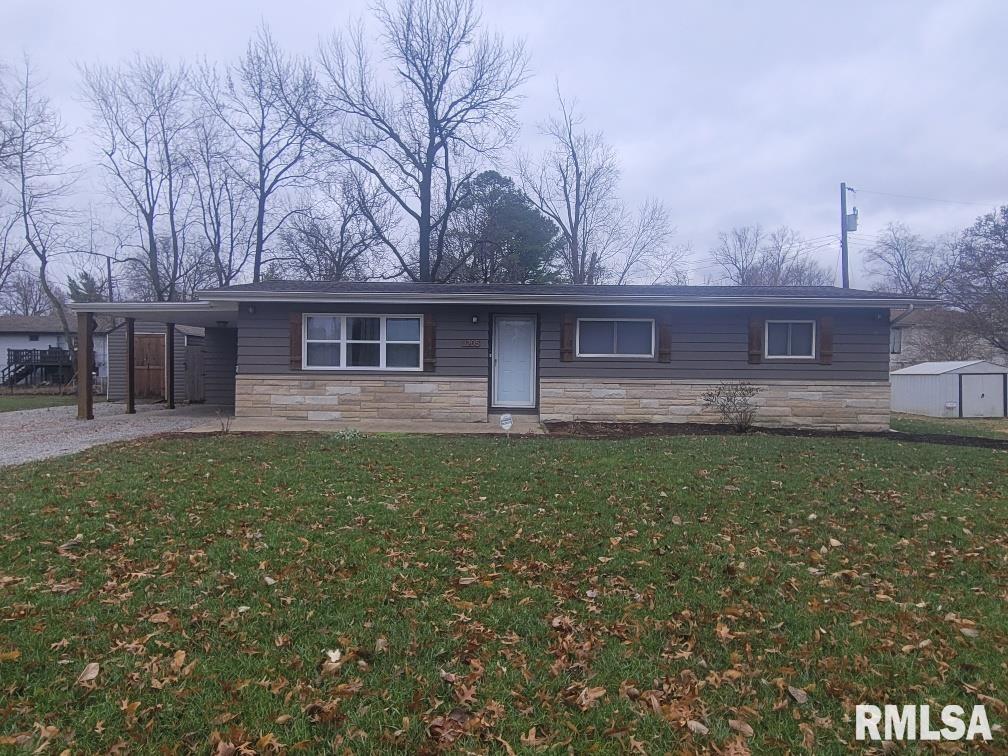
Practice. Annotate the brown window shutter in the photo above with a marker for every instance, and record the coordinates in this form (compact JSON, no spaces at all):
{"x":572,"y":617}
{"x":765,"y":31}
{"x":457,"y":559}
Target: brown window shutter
{"x":824,"y":329}
{"x":664,"y":342}
{"x":567,"y":339}
{"x":295,"y":340}
{"x":429,"y":343}
{"x":756,"y":328}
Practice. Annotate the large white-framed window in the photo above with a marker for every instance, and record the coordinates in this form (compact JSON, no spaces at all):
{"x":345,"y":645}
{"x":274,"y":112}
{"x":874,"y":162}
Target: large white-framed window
{"x":365,"y":341}
{"x":632,"y":338}
{"x":789,"y":339}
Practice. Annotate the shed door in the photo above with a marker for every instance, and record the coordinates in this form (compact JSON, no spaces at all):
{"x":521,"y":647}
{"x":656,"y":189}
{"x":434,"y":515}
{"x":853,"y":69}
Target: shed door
{"x":982,"y":395}
{"x":149,"y":363}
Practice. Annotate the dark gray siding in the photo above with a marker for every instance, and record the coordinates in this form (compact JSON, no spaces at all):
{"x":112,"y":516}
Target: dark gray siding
{"x":220,"y":355}
{"x":713,"y":342}
{"x":708,"y":342}
{"x":117,"y":360}
{"x":264,"y":337}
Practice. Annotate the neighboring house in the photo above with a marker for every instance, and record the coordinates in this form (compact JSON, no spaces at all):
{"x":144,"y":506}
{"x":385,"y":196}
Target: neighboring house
{"x":936,"y":335}
{"x":427,"y":352}
{"x":21,"y":335}
{"x":967,"y":388}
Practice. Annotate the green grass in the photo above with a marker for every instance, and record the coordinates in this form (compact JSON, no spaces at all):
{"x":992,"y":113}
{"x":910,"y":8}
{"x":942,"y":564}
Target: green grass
{"x":952,"y":426}
{"x":575,"y":594}
{"x":13,"y":403}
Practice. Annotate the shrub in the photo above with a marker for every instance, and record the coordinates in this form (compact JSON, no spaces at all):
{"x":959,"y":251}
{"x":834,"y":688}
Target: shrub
{"x":734,"y":401}
{"x":348,"y":434}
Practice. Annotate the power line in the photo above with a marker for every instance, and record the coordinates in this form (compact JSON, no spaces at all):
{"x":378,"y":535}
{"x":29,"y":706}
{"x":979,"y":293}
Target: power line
{"x":925,"y":199}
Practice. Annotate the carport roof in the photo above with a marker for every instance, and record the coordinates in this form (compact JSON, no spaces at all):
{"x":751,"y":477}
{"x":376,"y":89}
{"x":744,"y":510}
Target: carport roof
{"x":200,"y":313}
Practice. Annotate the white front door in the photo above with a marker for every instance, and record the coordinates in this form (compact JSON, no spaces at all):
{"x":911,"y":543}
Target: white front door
{"x":514,"y":369}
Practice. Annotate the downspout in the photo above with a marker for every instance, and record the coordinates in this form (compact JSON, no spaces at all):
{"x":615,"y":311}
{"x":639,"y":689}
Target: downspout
{"x":913,"y":307}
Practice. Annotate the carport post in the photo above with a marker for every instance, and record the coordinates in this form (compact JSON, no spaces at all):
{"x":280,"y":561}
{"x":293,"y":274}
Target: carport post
{"x":170,"y":363}
{"x":85,"y":364}
{"x":130,"y":366}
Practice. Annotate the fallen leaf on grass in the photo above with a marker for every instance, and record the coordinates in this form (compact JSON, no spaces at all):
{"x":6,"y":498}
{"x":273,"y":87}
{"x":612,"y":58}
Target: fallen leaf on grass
{"x":697,"y":728}
{"x":9,"y":655}
{"x":160,"y":618}
{"x":969,"y":632}
{"x":799,"y":695}
{"x":741,"y":727}
{"x":89,"y":674}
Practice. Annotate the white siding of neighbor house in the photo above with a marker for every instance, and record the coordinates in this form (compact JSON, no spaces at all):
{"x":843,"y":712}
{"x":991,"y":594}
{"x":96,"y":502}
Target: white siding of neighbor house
{"x":47,"y":340}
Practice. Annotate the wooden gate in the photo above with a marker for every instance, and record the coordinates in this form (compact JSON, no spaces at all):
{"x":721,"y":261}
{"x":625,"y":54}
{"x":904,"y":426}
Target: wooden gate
{"x":194,"y":373}
{"x":149,"y":364}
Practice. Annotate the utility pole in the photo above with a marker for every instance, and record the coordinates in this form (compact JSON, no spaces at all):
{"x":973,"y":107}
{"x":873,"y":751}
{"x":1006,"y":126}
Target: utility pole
{"x":845,"y":263}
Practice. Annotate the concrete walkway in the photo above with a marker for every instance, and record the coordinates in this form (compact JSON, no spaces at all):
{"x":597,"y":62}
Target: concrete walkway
{"x":524,"y":425}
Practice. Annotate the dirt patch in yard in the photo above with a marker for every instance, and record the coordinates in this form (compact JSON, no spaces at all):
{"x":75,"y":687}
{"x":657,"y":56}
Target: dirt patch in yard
{"x":583,"y":429}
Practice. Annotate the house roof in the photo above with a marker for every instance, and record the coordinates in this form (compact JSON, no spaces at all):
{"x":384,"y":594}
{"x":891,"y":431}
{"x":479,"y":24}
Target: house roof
{"x":957,"y":366}
{"x":43,"y":324}
{"x":398,"y":291}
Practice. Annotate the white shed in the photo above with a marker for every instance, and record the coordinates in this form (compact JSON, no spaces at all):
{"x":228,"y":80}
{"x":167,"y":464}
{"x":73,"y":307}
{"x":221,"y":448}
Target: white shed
{"x":972,"y":388}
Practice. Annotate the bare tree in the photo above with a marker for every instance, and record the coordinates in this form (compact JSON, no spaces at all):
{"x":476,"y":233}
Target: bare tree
{"x":749,"y":256}
{"x":270,"y":145}
{"x":337,"y":237}
{"x":142,"y":124}
{"x":786,"y":260}
{"x":225,"y":204}
{"x":450,"y":102}
{"x":40,"y":181}
{"x":24,"y":295}
{"x":576,"y":185}
{"x":648,"y":253}
{"x":977,"y":282}
{"x":906,"y":263}
{"x":12,"y":244}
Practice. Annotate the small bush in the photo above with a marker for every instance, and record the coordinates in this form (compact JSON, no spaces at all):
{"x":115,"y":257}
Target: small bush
{"x":348,"y":434}
{"x":734,"y":401}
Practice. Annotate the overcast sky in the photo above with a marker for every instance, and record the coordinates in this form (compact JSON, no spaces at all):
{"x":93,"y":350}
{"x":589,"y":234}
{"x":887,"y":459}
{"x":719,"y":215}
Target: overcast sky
{"x":730,"y":112}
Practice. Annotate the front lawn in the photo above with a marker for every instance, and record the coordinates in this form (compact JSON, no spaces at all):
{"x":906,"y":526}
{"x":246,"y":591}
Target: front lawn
{"x":15,"y":402}
{"x":411,"y":594}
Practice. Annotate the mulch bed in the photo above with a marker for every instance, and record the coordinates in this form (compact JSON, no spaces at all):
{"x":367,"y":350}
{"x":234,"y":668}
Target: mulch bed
{"x":582,"y":429}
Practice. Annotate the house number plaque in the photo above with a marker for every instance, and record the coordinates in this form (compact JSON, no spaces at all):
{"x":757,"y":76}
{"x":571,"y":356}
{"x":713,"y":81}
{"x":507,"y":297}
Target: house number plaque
{"x":472,"y":343}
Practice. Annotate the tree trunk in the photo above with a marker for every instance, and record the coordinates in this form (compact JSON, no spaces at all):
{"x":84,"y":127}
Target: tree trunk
{"x":425,"y":223}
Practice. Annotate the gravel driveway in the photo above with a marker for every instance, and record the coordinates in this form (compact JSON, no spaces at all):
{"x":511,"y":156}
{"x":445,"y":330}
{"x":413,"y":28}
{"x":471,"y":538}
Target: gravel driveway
{"x":31,"y":435}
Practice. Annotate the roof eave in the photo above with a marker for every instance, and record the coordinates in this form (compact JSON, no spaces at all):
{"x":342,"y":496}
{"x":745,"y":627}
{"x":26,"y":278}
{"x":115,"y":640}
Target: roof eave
{"x":125,"y":308}
{"x":557,"y":299}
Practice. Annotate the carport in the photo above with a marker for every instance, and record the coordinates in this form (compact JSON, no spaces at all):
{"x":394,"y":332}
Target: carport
{"x":218,"y":319}
{"x":970,"y":388}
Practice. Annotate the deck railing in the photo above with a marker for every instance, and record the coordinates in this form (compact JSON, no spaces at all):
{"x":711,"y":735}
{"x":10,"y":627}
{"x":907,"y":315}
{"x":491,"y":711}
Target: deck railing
{"x":51,"y":356}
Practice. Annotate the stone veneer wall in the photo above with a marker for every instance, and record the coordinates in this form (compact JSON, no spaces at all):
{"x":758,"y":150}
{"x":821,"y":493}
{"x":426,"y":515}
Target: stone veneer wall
{"x":834,"y":405}
{"x":318,"y":396}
